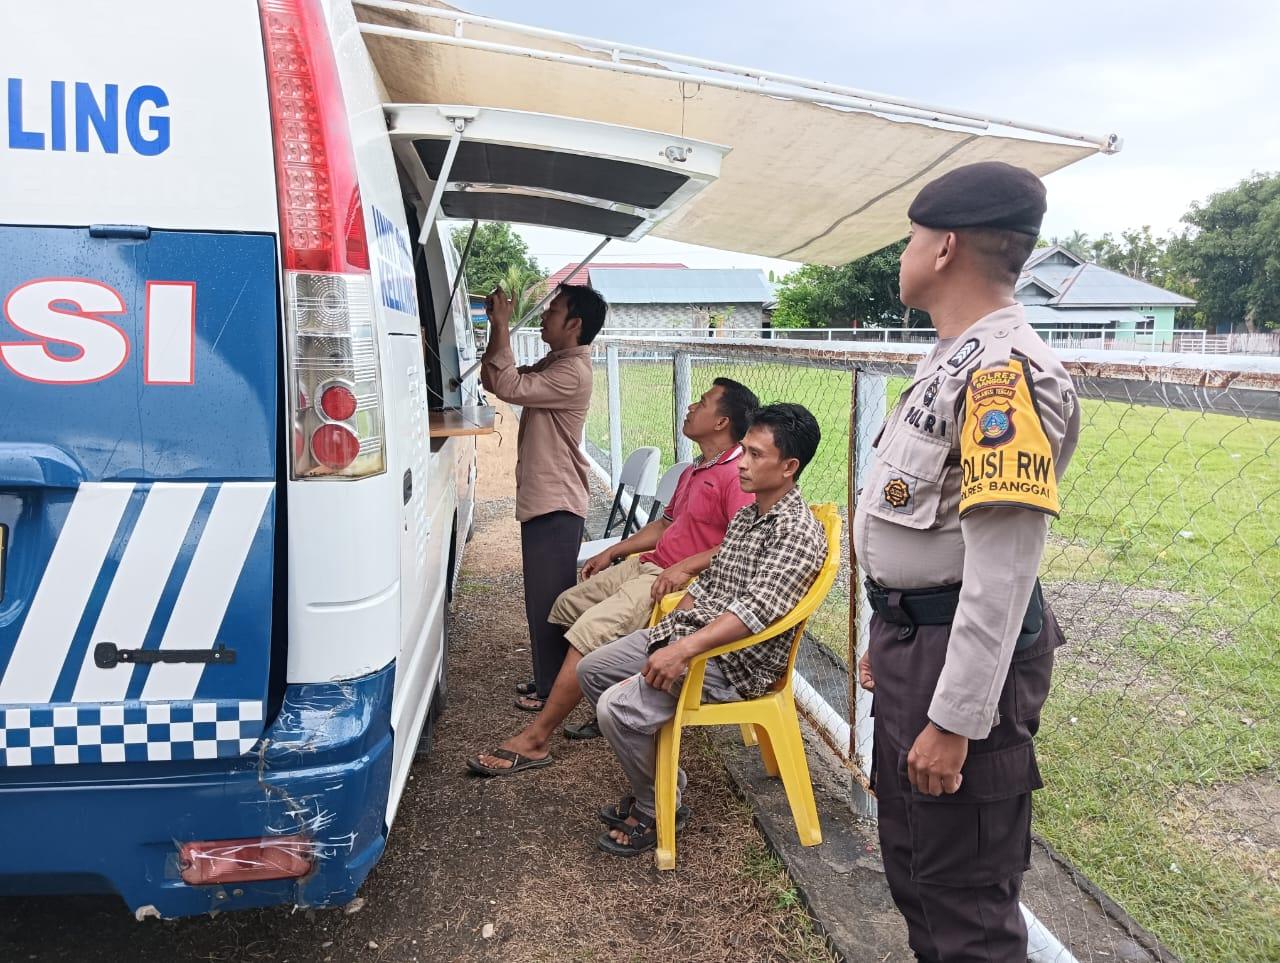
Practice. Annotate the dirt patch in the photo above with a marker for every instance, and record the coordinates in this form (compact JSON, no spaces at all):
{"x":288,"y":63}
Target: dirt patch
{"x":1239,"y":822}
{"x":1098,"y":620}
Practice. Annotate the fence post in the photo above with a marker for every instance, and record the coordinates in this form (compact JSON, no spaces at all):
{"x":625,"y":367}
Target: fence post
{"x":615,"y":412}
{"x":683,"y":398}
{"x":867,"y":414}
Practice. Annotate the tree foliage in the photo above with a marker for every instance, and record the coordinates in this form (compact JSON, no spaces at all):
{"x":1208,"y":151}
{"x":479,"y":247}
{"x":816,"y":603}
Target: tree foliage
{"x":862,"y":293}
{"x":495,"y":250}
{"x":1231,"y":253}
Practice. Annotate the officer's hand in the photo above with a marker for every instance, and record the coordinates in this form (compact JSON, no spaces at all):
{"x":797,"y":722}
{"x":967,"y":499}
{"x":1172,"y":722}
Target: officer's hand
{"x":666,"y":667}
{"x":672,"y":579}
{"x":865,"y":678}
{"x":935,"y":761}
{"x":597,"y":563}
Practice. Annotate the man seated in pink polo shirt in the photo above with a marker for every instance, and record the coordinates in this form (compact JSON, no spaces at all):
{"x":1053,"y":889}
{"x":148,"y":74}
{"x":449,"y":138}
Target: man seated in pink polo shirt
{"x":614,"y":600}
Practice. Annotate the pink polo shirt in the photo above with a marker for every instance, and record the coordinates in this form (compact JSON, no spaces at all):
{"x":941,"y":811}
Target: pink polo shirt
{"x":707,"y":496}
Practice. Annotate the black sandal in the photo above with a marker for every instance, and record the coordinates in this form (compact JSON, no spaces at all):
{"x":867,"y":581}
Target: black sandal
{"x":526,"y":688}
{"x":615,"y":816}
{"x":641,"y":838}
{"x":588,"y":730}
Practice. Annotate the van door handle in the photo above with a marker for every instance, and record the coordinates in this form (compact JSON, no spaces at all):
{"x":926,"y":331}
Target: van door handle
{"x":408,"y":485}
{"x":106,"y":655}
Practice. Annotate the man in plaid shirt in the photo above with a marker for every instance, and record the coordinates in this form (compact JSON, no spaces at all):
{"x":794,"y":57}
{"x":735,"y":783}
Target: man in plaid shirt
{"x":771,"y":554}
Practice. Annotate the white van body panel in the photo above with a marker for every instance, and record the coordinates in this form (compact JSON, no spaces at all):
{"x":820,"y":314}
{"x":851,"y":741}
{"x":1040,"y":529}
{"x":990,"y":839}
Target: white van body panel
{"x":406,"y":546}
{"x":215,"y":171}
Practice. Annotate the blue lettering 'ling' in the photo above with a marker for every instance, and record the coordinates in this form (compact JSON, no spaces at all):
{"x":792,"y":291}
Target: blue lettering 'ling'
{"x":94,"y":112}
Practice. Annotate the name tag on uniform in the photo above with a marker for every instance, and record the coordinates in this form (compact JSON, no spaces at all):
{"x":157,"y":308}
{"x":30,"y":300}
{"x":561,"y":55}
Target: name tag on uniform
{"x":1006,"y":457}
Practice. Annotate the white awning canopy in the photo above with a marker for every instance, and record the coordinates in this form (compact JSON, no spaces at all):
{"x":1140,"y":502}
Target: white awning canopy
{"x":814,"y":172}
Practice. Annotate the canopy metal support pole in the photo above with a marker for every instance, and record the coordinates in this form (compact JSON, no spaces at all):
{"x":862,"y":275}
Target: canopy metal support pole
{"x":460,"y":121}
{"x":443,"y":313}
{"x":537,"y":308}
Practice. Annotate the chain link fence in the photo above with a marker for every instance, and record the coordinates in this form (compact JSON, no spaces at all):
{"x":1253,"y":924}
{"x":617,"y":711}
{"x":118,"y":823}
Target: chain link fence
{"x":1158,"y":832}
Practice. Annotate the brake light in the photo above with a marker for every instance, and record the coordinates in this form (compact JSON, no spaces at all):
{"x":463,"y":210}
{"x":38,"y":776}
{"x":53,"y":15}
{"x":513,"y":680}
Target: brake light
{"x":338,"y":402}
{"x":331,"y":334}
{"x":245,"y":860}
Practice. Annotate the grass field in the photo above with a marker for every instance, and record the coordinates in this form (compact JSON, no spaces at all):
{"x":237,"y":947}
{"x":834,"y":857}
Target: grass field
{"x":1160,"y":745}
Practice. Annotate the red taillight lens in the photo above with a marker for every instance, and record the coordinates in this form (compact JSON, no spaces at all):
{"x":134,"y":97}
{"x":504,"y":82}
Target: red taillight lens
{"x":331,"y":319}
{"x":338,"y":402}
{"x":357,"y":242}
{"x":320,"y":213}
{"x":335,"y":446}
{"x":245,"y":860}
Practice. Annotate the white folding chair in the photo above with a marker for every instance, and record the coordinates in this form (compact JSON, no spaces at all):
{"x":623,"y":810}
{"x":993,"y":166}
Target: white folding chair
{"x":667,"y":488}
{"x":639,"y":479}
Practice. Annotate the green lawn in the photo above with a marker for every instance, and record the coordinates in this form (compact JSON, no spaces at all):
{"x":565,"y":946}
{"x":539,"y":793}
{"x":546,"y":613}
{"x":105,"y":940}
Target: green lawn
{"x":1169,"y":543}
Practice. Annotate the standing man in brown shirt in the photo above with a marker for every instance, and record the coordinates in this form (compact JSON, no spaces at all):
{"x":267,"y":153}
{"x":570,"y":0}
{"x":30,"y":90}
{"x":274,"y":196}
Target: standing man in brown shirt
{"x":551,"y":469}
{"x":950,"y":528}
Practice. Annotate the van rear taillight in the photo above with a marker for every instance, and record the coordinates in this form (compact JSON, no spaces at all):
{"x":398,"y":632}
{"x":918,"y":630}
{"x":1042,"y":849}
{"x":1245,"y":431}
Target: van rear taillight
{"x":328,"y":293}
{"x":245,"y":860}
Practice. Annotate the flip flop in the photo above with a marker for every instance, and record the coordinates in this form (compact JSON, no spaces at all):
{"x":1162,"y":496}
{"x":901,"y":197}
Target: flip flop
{"x":524,"y":706}
{"x":527,"y":688}
{"x":518,"y":762}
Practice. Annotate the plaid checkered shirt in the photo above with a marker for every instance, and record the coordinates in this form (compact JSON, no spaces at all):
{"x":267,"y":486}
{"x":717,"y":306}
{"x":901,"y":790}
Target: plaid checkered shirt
{"x":765,"y":565}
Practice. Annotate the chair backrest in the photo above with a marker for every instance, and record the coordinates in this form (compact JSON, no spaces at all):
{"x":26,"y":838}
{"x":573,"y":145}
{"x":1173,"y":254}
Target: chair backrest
{"x":829,"y":516}
{"x":640,"y":475}
{"x":640,"y":472}
{"x":667,"y":488}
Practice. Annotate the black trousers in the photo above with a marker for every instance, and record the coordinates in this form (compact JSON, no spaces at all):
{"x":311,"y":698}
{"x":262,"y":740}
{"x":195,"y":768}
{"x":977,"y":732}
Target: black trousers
{"x":954,"y":863}
{"x":549,"y":554}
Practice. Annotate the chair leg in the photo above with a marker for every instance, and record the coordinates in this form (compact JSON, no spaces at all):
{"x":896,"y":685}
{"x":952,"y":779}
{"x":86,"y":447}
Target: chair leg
{"x":768,"y":754}
{"x":666,"y":778}
{"x":789,"y":746}
{"x":748,"y":734}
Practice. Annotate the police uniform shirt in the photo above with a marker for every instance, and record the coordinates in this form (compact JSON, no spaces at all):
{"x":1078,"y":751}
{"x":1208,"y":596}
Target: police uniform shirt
{"x":962,"y":488}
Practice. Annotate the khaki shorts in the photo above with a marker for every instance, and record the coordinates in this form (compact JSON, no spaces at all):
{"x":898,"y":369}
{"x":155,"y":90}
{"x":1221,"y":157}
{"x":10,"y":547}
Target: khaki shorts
{"x":607,"y":606}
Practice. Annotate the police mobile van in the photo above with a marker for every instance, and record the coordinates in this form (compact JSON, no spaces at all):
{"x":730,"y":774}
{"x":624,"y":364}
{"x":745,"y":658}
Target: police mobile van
{"x":237,"y":377}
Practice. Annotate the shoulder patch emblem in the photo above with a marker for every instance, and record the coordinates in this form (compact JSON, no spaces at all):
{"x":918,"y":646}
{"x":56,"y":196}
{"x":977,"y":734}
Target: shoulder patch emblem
{"x":963,"y":353}
{"x":1006,"y":458}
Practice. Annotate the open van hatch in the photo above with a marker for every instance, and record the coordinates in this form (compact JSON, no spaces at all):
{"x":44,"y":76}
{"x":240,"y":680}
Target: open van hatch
{"x":537,"y":169}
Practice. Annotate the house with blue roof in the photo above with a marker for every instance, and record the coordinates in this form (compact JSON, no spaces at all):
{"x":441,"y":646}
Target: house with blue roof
{"x":686,"y":301}
{"x":1066,"y":295}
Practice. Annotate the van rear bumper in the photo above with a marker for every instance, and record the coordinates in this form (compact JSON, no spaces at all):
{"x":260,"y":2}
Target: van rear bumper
{"x":322,"y":770}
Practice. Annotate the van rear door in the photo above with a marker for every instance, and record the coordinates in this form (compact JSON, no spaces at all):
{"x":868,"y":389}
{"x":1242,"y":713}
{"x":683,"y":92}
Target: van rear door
{"x":140,"y":383}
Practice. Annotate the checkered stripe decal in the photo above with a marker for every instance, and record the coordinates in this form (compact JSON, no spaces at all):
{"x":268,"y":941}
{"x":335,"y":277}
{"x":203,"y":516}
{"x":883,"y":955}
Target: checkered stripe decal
{"x":130,"y":732}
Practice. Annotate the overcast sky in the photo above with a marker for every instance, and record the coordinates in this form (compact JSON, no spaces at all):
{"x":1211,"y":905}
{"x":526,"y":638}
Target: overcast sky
{"x":1192,"y":87}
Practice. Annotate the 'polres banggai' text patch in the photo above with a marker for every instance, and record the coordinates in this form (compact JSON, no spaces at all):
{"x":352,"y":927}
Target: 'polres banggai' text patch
{"x":1006,"y":458}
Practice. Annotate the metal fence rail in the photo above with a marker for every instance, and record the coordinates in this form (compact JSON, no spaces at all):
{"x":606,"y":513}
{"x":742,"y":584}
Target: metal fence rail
{"x":1160,"y":742}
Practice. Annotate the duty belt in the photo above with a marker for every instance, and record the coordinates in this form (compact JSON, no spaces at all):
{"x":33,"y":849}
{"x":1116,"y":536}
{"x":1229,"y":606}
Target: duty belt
{"x":909,"y":608}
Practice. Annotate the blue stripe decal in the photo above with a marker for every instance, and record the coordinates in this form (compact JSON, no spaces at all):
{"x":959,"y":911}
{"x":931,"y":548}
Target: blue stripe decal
{"x":172,"y":586}
{"x":66,"y":683}
{"x":248,"y":617}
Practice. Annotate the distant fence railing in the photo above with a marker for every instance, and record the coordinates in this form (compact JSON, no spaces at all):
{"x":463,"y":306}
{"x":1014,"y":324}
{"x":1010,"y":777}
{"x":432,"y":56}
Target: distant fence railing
{"x":1193,"y":341}
{"x":1160,"y":742}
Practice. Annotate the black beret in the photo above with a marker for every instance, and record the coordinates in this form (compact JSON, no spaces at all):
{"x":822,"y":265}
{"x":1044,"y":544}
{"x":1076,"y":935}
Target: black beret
{"x":989,"y":194}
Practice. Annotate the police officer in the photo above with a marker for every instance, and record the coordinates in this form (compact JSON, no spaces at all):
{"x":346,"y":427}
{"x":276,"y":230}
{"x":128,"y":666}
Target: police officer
{"x":950,"y":528}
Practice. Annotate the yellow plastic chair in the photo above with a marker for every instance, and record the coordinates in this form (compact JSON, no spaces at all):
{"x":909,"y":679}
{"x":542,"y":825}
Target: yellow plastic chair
{"x":769,"y":720}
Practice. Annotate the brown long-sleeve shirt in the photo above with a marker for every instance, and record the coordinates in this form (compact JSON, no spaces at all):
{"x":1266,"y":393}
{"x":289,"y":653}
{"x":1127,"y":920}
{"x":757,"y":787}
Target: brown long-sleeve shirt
{"x":555,"y":393}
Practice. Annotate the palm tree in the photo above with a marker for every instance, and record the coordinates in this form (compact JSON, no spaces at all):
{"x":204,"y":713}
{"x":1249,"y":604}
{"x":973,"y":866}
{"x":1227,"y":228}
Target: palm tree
{"x":525,"y":288}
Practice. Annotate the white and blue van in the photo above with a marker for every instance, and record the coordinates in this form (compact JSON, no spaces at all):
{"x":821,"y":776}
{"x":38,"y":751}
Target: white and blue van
{"x":228,"y":530}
